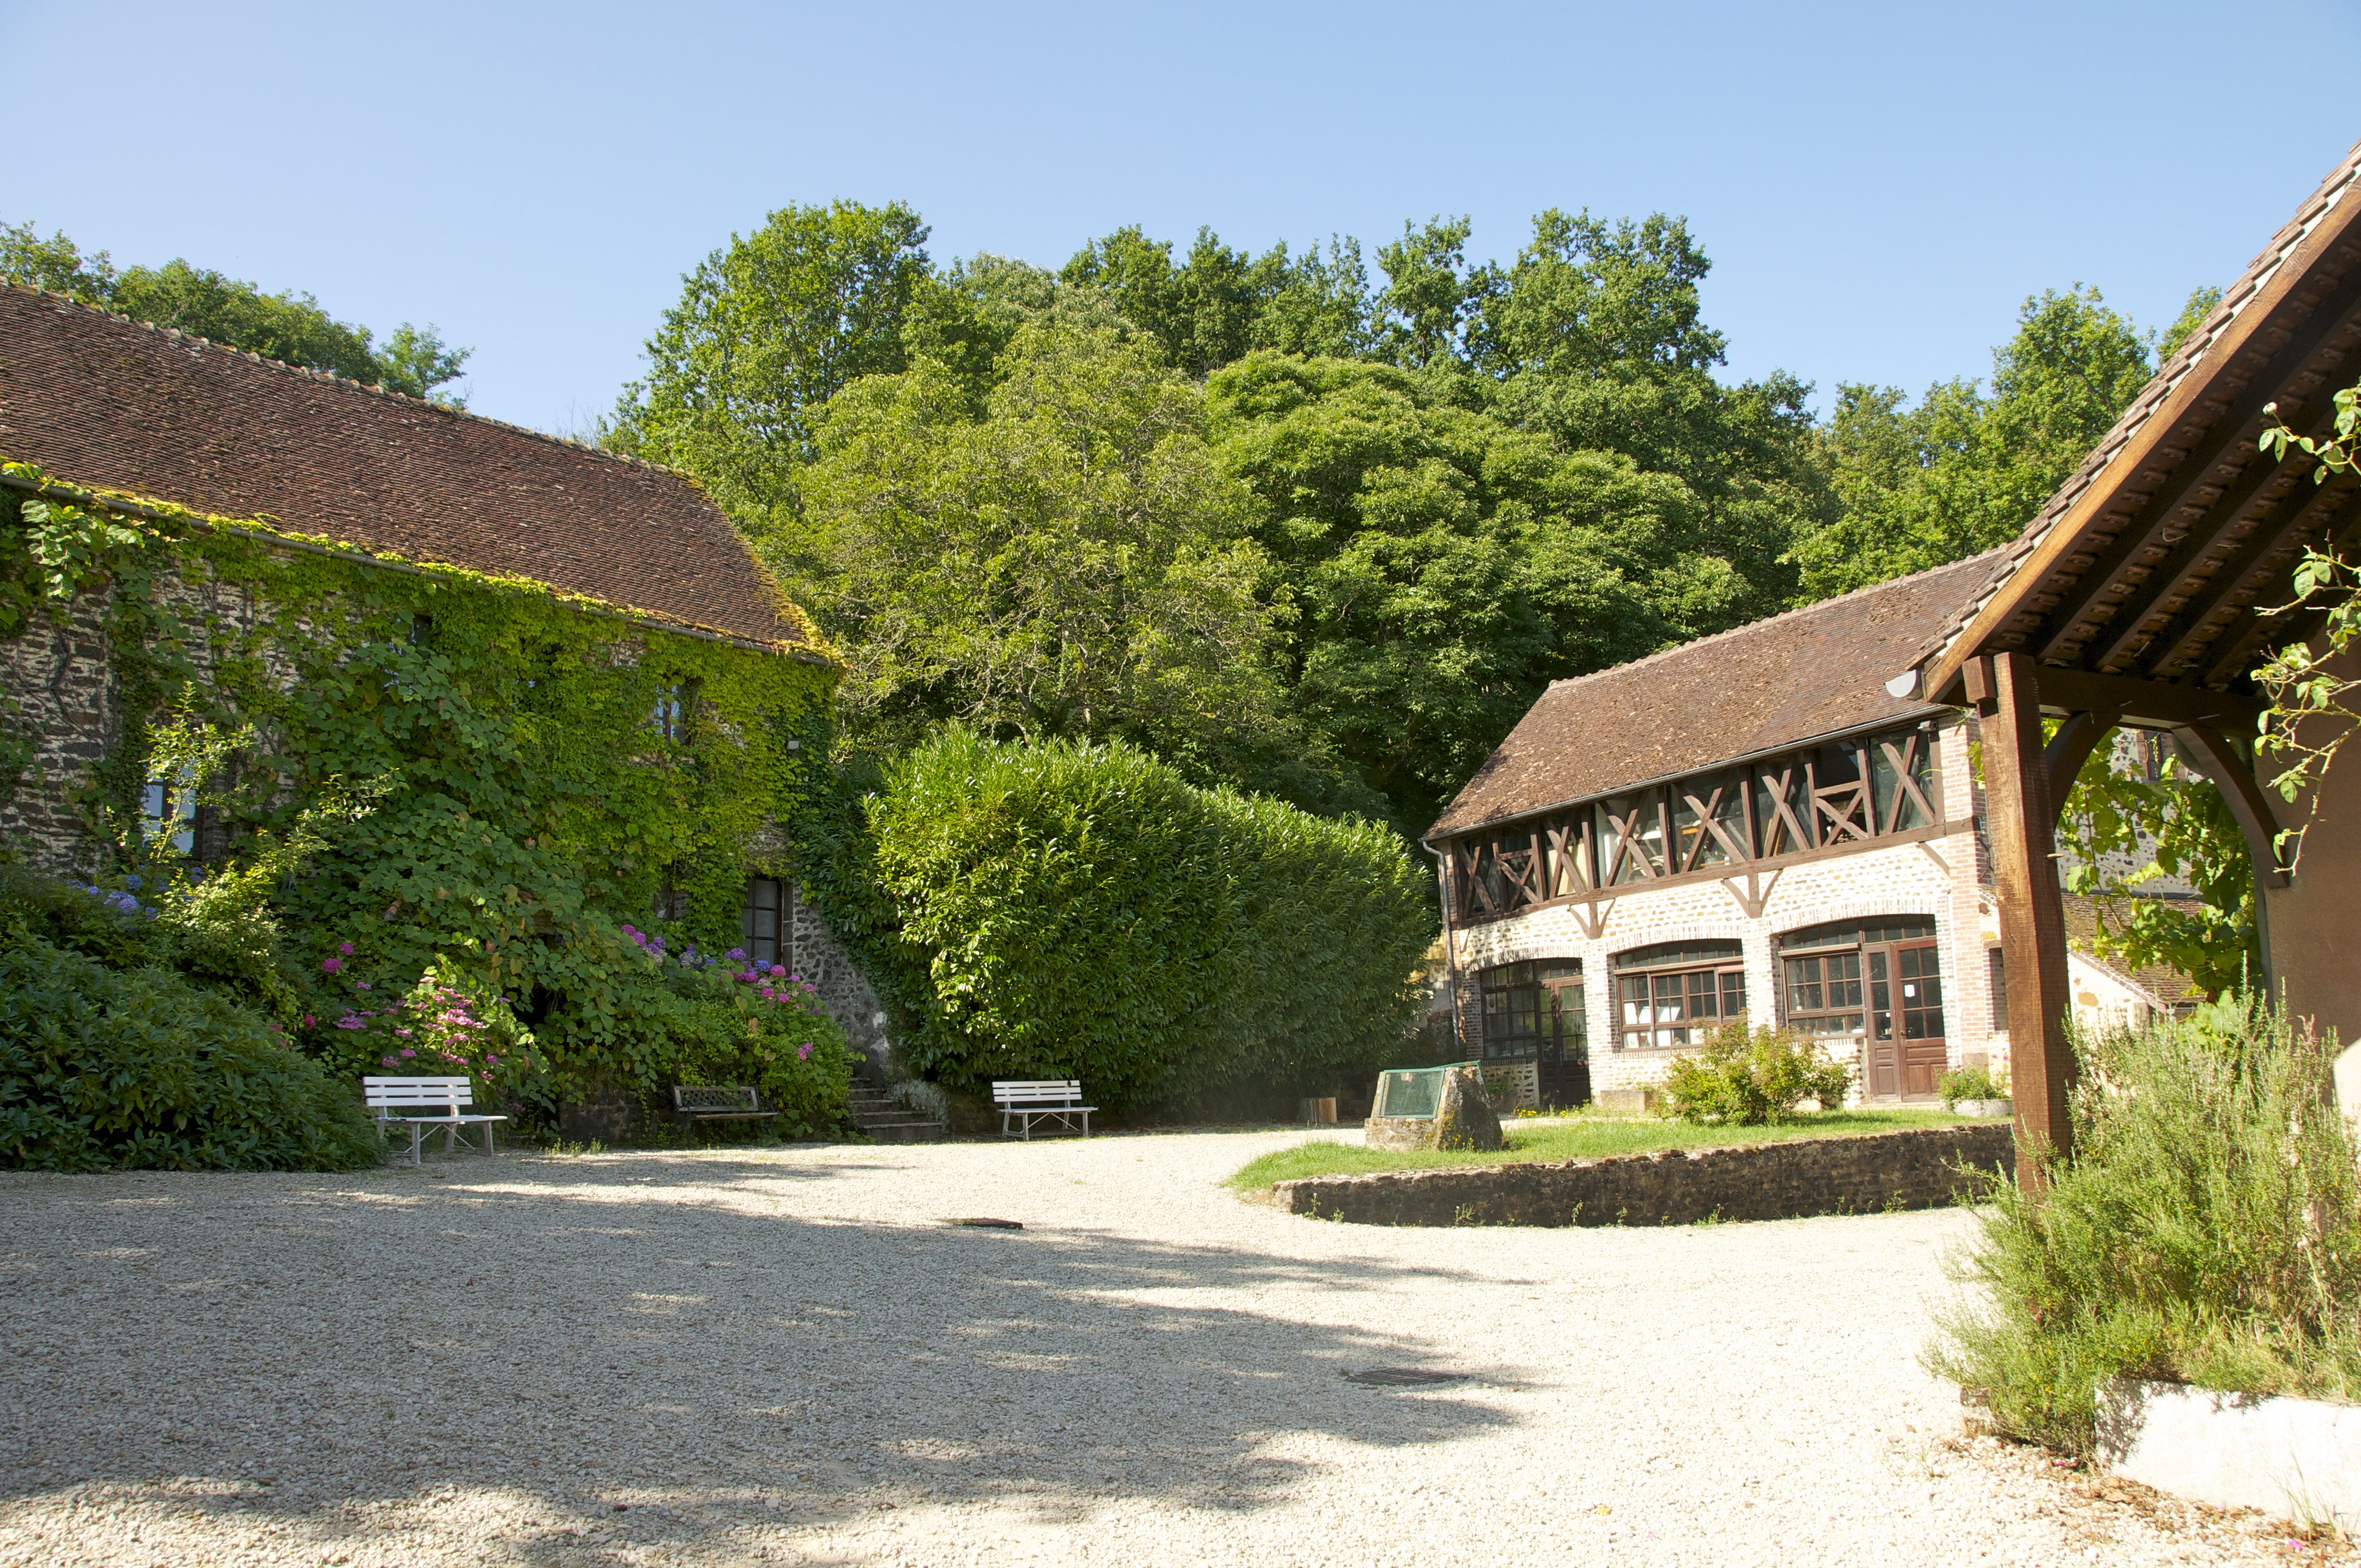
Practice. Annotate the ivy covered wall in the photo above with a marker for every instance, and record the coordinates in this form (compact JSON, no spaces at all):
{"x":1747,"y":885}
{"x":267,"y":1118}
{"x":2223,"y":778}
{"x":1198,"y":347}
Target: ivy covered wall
{"x":497,"y":774}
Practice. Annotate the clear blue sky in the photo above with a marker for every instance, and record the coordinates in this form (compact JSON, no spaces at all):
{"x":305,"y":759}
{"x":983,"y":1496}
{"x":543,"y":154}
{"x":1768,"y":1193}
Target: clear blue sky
{"x":1879,"y":185}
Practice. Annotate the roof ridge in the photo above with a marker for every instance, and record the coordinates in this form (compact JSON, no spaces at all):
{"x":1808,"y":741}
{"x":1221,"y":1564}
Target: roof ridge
{"x":1789,"y":614}
{"x":179,"y":336}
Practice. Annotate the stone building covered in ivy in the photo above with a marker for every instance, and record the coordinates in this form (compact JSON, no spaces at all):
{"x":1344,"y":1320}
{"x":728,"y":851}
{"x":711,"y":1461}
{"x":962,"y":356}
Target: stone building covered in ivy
{"x":558,"y":697}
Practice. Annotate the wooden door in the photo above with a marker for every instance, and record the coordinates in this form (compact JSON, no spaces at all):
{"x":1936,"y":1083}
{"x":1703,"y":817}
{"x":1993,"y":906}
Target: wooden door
{"x":1904,"y":1056}
{"x":1566,"y":1052}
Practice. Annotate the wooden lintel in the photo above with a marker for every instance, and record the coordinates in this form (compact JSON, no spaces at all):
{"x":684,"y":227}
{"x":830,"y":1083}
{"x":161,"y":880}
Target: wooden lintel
{"x":2152,"y":705}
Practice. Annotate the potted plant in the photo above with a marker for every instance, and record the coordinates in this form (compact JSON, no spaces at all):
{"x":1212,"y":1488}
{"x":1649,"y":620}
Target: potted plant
{"x":1978,"y":1091}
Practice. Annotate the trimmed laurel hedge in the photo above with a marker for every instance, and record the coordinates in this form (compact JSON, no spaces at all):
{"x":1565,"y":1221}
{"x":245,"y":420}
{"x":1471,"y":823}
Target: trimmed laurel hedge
{"x":1079,"y":911}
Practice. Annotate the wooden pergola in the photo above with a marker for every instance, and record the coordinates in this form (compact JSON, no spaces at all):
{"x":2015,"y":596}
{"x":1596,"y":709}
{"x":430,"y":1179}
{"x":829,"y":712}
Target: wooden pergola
{"x":2144,"y":595}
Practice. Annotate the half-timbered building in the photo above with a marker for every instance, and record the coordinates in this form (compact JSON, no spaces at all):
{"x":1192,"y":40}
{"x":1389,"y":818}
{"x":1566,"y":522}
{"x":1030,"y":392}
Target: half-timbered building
{"x":1750,"y":826}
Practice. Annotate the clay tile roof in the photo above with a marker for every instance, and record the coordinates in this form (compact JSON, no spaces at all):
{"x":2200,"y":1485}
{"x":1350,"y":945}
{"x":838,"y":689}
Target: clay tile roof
{"x":2166,"y":986}
{"x":103,"y":402}
{"x":1812,"y":671}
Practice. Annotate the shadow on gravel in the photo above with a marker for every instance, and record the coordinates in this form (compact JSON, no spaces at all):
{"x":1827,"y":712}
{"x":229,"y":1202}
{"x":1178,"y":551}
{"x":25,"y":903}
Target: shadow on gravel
{"x":720,"y":1370}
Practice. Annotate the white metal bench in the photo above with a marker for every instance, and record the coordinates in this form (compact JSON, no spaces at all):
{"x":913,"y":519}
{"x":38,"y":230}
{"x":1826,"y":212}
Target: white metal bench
{"x":692,"y":1103}
{"x":1026,"y":1100}
{"x":443,"y":1100}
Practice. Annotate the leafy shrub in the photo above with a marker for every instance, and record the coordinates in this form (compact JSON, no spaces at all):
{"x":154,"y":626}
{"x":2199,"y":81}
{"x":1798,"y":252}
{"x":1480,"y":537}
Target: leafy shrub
{"x":1749,"y":1080}
{"x":686,"y":1017}
{"x":102,"y":1068}
{"x":2207,"y":1229}
{"x":1978,"y":1082}
{"x":1065,"y":910}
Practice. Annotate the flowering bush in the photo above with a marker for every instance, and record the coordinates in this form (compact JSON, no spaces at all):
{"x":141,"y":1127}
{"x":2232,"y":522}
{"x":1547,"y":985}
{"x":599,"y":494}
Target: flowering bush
{"x":440,"y":1027}
{"x":745,"y":1021}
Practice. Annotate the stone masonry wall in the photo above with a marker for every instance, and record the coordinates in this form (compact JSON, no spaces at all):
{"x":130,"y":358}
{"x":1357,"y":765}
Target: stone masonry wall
{"x":844,"y":991}
{"x":1870,"y":1173}
{"x":1936,"y":878}
{"x":57,"y":675}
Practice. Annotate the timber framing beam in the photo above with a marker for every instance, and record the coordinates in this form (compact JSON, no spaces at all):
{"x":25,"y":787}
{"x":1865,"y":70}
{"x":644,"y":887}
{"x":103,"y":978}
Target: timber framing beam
{"x":2022,"y":822}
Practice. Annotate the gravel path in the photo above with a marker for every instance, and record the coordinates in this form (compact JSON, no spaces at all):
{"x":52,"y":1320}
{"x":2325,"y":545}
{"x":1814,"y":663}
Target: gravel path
{"x":784,"y":1356}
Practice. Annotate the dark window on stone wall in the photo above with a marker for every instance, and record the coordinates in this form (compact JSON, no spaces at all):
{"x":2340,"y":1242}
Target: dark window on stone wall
{"x":764,"y":924}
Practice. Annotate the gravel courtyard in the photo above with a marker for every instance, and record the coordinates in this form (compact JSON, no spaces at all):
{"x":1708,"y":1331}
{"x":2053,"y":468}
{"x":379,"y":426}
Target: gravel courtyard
{"x":786,"y":1356}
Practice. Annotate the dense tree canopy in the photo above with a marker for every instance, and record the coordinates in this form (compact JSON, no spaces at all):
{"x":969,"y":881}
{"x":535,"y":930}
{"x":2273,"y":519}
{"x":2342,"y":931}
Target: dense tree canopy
{"x":1966,"y":470}
{"x":286,"y":326}
{"x":1251,"y":512}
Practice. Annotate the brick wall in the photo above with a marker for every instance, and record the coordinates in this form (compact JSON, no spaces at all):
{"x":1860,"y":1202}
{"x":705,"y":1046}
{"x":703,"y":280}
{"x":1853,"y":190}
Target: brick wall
{"x":1872,"y":1174}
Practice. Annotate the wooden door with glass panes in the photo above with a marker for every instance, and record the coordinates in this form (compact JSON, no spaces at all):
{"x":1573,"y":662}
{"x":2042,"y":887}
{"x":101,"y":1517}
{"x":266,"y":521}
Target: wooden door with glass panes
{"x":1904,"y":1053}
{"x":1566,"y":1057}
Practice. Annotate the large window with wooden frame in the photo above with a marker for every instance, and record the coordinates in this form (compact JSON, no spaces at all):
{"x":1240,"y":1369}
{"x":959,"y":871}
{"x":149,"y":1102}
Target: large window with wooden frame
{"x":1879,"y":982}
{"x":1674,"y":995}
{"x":1846,"y":794}
{"x":1533,"y":1012}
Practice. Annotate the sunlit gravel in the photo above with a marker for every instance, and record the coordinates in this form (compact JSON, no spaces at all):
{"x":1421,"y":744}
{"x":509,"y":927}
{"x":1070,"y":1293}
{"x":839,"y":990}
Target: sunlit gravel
{"x":788,"y":1356}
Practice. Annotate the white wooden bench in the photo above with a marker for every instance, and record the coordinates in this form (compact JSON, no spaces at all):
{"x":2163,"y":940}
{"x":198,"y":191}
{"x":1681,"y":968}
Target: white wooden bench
{"x":694,"y":1102}
{"x":1026,"y":1100}
{"x":398,"y":1103}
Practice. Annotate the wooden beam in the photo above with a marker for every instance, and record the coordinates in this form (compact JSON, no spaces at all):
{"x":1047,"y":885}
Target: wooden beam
{"x":2233,"y":431}
{"x":2071,"y":746}
{"x":2022,"y":819}
{"x":2153,"y":705}
{"x":2064,"y":536}
{"x":2218,"y":758}
{"x":2177,"y":636}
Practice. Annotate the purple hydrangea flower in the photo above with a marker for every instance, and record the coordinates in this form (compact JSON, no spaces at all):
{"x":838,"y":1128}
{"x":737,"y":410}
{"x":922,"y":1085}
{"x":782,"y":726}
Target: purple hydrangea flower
{"x":345,"y":948}
{"x":331,"y":965}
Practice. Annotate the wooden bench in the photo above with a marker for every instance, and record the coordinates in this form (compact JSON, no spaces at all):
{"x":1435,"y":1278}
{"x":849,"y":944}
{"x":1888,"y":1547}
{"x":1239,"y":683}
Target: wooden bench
{"x":1026,"y":1100}
{"x":443,"y":1100}
{"x":694,"y":1102}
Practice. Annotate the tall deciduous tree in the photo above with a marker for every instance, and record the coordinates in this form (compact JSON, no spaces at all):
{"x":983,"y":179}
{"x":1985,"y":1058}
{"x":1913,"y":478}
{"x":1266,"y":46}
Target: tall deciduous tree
{"x":1965,"y":470}
{"x":1073,"y":562}
{"x":286,"y":326}
{"x":767,"y":330}
{"x":1443,"y":567}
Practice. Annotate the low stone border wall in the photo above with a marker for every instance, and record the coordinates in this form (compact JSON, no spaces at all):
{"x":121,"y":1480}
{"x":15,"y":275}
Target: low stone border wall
{"x":1868,"y":1173}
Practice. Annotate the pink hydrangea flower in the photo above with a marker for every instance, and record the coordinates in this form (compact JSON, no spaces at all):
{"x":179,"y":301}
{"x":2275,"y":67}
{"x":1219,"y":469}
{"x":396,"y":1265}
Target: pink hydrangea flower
{"x":331,"y":965}
{"x":803,"y":1053}
{"x":345,"y":948}
{"x":778,"y":969}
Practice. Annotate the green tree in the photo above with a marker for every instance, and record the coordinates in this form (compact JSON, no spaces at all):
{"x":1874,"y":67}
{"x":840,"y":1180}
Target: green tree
{"x":1218,"y":304}
{"x":1594,"y":336}
{"x":767,"y":330}
{"x":1072,"y":563}
{"x":1965,"y":471}
{"x":1443,"y":567}
{"x":286,"y":326}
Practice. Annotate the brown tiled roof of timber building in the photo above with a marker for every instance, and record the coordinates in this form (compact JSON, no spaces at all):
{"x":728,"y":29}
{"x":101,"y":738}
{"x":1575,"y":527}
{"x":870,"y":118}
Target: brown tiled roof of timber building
{"x":100,"y":401}
{"x":1812,"y":671}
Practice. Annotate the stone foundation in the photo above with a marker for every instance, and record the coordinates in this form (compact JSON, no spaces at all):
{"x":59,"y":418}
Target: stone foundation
{"x":1867,"y":1174}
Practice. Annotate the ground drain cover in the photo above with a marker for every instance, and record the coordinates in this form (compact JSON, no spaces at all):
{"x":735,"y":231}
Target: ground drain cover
{"x":1404,"y":1377}
{"x":984,"y":1224}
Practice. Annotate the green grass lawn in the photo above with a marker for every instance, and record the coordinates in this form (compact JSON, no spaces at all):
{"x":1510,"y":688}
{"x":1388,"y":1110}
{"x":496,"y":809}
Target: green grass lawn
{"x":1570,"y":1137}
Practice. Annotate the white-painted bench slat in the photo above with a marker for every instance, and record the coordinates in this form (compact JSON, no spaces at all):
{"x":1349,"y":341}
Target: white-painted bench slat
{"x":395,"y":1101}
{"x":1025,"y":1100}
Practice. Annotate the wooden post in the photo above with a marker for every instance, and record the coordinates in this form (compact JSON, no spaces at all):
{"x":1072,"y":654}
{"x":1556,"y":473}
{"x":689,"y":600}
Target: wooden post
{"x":2022,"y":820}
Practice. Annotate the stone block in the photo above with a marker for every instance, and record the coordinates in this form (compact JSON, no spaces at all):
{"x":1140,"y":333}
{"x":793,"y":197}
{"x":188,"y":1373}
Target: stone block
{"x":2293,"y":1459}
